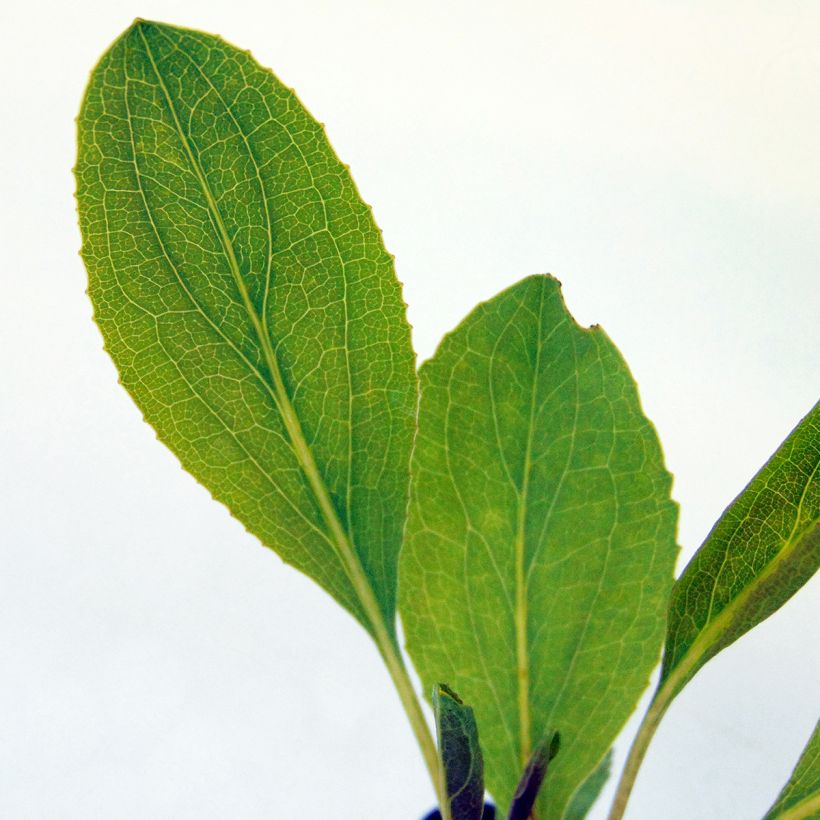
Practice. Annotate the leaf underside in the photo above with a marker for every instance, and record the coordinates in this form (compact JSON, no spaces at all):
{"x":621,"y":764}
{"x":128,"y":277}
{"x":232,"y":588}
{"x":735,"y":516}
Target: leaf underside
{"x":246,"y":298}
{"x":460,"y":754}
{"x":800,"y":797}
{"x":765,"y":546}
{"x":541,"y":536}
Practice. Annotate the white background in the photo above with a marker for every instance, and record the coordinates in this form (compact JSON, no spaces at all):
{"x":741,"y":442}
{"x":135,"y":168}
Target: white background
{"x":660,"y":157}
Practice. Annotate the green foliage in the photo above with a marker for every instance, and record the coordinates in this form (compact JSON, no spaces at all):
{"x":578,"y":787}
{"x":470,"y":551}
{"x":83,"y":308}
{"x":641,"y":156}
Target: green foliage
{"x":460,"y":754}
{"x":244,"y":293}
{"x":765,"y":546}
{"x":589,"y":791}
{"x":541,"y":536}
{"x":761,"y":551}
{"x":801,"y":795}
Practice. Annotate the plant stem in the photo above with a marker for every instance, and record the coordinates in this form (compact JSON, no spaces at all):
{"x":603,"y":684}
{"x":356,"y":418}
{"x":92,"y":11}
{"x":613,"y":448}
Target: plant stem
{"x":385,"y":641}
{"x":412,"y":707}
{"x":646,"y":731}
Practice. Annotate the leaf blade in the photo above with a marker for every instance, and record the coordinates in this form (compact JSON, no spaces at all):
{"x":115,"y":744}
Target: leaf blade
{"x":765,"y":546}
{"x":462,"y":552}
{"x":244,"y":293}
{"x":800,"y":797}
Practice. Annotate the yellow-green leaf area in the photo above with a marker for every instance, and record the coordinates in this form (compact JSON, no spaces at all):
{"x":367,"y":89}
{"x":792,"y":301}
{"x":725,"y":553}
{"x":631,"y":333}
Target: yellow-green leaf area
{"x":244,"y":293}
{"x":541,"y":536}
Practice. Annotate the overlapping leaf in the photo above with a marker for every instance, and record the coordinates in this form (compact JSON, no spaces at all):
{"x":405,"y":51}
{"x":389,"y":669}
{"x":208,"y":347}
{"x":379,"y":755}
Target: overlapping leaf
{"x":535,"y":773}
{"x":541,"y":536}
{"x":244,"y":293}
{"x":460,"y":754}
{"x":761,"y":551}
{"x":589,"y":791}
{"x":801,"y":795}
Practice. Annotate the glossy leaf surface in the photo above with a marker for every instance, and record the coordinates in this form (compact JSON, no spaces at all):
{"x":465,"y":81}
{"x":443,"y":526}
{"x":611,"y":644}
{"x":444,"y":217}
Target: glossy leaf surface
{"x":246,"y":298}
{"x":541,"y":536}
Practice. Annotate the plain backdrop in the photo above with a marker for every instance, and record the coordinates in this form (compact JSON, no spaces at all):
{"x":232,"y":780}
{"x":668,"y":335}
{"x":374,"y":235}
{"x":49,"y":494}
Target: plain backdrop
{"x":661,"y":158}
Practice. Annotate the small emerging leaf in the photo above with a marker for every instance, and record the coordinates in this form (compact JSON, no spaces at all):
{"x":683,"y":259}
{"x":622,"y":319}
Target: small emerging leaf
{"x":589,"y":791}
{"x":801,"y":795}
{"x":460,"y":754}
{"x":541,"y":536}
{"x":761,"y":551}
{"x":246,"y":298}
{"x":533,"y":778}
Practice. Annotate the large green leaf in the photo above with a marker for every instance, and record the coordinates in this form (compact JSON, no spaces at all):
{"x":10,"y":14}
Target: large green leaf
{"x":460,"y":754}
{"x":244,"y":293}
{"x":541,"y":536}
{"x":761,"y":551}
{"x":801,"y":795}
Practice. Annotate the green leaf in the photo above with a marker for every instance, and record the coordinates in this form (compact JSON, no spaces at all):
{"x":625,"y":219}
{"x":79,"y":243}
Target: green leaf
{"x":541,"y":536}
{"x":765,"y":546}
{"x":589,"y":791}
{"x":460,"y":754}
{"x":761,"y":551}
{"x":244,"y":293}
{"x":801,"y":795}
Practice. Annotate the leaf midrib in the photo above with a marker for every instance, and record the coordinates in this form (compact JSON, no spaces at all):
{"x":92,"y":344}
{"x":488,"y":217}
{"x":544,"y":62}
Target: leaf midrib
{"x":200,"y":310}
{"x":521,"y":590}
{"x":265,"y":333}
{"x":348,"y":558}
